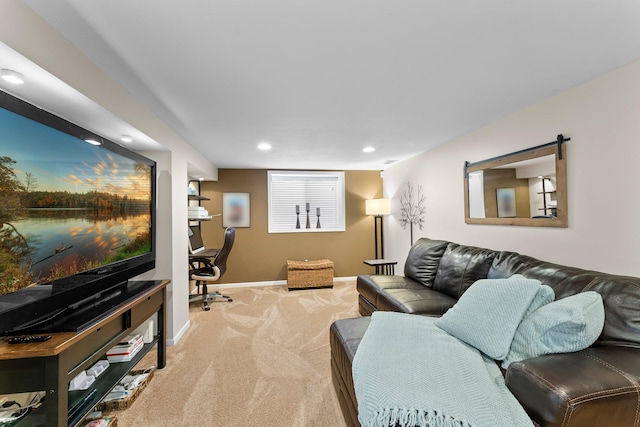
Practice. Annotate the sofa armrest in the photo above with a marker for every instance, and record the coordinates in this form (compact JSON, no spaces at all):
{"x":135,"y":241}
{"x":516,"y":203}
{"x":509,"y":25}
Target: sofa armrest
{"x":598,"y":386}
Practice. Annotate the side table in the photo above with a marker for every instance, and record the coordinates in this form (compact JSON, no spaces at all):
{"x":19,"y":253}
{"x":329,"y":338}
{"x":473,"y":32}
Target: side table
{"x":383,"y":266}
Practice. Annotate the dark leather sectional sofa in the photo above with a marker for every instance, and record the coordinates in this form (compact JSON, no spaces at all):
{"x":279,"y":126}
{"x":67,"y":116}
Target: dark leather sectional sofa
{"x":598,"y":386}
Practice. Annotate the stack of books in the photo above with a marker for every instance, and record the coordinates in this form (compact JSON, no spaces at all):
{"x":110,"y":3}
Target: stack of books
{"x":198,"y":212}
{"x":126,"y":349}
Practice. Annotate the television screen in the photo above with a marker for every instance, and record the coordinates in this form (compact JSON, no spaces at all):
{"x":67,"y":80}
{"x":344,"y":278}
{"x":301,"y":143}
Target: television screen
{"x":68,"y":208}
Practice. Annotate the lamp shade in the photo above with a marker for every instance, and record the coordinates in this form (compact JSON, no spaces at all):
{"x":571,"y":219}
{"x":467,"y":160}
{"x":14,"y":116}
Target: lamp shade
{"x":377,"y":207}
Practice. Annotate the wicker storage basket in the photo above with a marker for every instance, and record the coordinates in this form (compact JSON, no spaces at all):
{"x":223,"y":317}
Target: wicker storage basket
{"x":119,"y":405}
{"x":310,"y":274}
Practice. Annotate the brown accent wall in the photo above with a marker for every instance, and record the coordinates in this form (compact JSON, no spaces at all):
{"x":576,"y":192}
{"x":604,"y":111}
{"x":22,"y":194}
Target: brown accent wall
{"x":260,"y":256}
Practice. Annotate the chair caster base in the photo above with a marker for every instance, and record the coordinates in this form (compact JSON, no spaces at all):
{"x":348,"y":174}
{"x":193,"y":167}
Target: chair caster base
{"x":210,"y":297}
{"x":217,"y":296}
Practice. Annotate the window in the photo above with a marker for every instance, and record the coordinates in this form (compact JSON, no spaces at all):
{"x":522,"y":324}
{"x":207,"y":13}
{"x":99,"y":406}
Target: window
{"x":292,"y":192}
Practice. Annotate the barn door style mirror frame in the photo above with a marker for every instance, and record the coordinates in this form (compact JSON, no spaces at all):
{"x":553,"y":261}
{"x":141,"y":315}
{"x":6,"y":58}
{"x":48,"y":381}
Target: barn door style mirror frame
{"x":527,"y":187}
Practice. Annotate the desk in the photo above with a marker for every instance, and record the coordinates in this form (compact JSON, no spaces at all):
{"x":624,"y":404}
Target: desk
{"x":207,"y":253}
{"x":383,"y":266}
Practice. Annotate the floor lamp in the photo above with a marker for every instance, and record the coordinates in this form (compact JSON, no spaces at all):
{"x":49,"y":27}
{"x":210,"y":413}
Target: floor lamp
{"x":378,"y":208}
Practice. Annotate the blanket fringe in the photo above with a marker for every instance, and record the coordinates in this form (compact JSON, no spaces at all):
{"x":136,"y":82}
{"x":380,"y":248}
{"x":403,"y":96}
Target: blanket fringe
{"x":413,"y":418}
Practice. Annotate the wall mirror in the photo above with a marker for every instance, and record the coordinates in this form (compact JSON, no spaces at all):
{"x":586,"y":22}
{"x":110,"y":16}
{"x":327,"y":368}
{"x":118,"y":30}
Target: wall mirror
{"x":528,"y":187}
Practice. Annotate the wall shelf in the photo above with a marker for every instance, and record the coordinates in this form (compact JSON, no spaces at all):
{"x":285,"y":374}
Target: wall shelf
{"x":196,"y":198}
{"x":547,"y":208}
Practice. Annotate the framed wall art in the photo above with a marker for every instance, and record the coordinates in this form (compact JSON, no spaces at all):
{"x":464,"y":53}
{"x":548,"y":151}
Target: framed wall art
{"x":506,"y":198}
{"x":236,"y":210}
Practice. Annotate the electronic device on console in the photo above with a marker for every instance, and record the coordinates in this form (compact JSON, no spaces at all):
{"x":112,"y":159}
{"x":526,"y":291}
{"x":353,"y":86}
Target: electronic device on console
{"x":77,"y":221}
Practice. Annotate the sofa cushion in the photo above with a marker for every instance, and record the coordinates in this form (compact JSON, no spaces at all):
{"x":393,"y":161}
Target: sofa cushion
{"x":487,"y":315}
{"x":415,"y":301}
{"x":423,"y":260}
{"x":566,"y":325}
{"x":563,"y":280}
{"x":371,"y":287}
{"x":620,"y":295}
{"x":460,"y":267}
{"x":506,"y":264}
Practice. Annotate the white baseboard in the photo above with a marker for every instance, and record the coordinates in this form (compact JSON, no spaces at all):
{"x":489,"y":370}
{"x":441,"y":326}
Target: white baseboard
{"x":181,"y":332}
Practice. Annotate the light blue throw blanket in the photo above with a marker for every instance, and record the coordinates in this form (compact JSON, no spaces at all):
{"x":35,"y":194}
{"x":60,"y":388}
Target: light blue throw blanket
{"x":409,"y":372}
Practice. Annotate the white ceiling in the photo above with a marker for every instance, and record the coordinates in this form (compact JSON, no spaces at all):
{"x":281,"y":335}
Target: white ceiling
{"x":51,"y":94}
{"x":320,"y":80}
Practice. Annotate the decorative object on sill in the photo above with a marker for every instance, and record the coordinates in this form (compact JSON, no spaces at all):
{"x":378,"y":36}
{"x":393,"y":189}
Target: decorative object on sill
{"x":308,"y":222}
{"x":412,"y":211}
{"x":297,"y":216}
{"x":378,"y":208}
{"x":318,"y":215}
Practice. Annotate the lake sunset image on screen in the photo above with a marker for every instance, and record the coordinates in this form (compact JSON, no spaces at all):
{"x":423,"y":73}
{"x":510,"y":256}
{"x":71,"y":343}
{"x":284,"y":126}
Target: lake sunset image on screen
{"x":67,"y":206}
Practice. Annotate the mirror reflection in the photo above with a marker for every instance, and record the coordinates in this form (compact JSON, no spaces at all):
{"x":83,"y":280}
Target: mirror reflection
{"x":524,"y":188}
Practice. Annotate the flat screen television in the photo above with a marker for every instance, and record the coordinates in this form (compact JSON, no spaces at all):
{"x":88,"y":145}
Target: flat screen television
{"x":77,"y":220}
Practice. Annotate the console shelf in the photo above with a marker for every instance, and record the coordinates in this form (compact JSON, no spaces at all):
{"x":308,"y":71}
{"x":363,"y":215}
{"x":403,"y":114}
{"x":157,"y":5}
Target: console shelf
{"x":51,"y":365}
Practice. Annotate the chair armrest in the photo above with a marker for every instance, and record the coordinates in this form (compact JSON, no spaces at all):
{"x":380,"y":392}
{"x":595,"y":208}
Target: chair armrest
{"x":206,"y":274}
{"x":598,"y":386}
{"x":196,"y":261}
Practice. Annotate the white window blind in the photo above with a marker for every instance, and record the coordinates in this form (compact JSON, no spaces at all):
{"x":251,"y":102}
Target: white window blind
{"x":291,"y":190}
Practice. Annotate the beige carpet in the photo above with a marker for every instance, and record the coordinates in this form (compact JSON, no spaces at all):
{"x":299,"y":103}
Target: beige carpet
{"x":261,"y":360}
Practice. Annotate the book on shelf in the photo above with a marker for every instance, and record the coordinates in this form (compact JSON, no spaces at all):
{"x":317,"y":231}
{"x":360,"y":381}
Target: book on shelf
{"x":126,"y":349}
{"x":129,"y":340}
{"x":198,"y":212}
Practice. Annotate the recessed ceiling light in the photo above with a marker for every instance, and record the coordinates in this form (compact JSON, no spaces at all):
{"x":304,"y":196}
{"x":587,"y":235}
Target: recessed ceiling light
{"x":11,"y":76}
{"x":126,"y":138}
{"x":264,"y":146}
{"x":368,"y":149}
{"x":92,"y":141}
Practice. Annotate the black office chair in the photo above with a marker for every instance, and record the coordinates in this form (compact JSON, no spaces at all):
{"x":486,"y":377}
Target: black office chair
{"x":203,"y":270}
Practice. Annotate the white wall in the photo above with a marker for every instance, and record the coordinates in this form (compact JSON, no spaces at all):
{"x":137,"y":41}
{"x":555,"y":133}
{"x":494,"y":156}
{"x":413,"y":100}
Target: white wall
{"x":602,"y":117}
{"x":28,"y":34}
{"x":171,"y":247}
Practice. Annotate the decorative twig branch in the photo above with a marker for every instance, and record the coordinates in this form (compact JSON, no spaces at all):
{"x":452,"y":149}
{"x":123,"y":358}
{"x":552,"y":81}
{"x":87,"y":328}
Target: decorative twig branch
{"x":412,"y":211}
